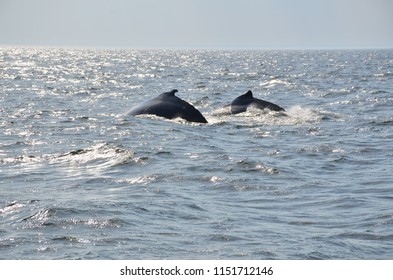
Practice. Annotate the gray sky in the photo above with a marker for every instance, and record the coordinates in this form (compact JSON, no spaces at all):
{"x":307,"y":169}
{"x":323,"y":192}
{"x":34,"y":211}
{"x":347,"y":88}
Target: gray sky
{"x":258,"y":24}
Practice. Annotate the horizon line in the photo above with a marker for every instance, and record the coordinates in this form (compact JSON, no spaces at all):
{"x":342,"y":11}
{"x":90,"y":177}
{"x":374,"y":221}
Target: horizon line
{"x":223,"y":48}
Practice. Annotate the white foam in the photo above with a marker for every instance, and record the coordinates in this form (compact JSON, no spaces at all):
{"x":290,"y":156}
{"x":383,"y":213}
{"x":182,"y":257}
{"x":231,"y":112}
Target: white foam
{"x":300,"y":115}
{"x":253,"y":116}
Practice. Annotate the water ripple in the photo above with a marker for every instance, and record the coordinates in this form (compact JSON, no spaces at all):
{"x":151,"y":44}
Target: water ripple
{"x":81,"y":180}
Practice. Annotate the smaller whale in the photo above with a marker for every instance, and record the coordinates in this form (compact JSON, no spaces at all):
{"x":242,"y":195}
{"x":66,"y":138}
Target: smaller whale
{"x":241,"y":103}
{"x":168,"y":105}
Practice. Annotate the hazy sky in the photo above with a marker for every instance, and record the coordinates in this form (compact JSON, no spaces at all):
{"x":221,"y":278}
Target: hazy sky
{"x":198,"y":23}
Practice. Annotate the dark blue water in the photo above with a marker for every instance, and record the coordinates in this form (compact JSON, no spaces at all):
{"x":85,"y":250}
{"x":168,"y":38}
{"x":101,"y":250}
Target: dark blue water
{"x":81,"y":180}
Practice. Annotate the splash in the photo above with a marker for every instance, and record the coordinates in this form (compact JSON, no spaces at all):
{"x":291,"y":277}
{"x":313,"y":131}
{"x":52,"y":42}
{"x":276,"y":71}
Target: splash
{"x":301,"y":115}
{"x":295,"y":115}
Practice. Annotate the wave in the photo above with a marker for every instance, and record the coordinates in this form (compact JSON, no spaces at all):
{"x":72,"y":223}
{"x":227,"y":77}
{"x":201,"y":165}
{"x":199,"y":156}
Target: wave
{"x":68,"y":217}
{"x":275,"y":82}
{"x":100,"y":153}
{"x":11,"y":207}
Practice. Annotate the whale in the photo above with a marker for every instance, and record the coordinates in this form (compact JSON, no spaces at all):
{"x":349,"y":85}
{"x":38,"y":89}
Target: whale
{"x":168,"y":105}
{"x":241,"y":103}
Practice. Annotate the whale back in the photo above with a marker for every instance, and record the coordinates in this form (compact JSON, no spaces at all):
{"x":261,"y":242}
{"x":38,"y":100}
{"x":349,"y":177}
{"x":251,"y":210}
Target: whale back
{"x":241,"y":103}
{"x":262,"y":104}
{"x":168,"y":105}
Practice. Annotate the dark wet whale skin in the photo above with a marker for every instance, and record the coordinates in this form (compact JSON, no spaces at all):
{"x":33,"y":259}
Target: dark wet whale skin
{"x":241,"y":103}
{"x":168,"y":105}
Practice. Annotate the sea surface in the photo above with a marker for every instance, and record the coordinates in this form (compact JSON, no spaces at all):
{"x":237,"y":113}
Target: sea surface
{"x":79,"y":179}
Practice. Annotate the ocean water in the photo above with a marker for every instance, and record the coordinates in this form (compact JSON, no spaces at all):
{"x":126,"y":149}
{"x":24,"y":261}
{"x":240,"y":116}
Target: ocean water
{"x":79,"y":179}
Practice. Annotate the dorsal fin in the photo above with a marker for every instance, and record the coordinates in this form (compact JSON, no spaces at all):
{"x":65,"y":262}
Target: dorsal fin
{"x":248,"y":94}
{"x":171,"y":93}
